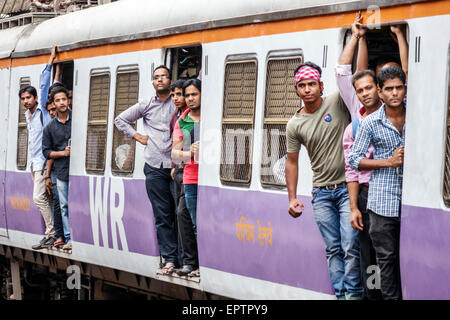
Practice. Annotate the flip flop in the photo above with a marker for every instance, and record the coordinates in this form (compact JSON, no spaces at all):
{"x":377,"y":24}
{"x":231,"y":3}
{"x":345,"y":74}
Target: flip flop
{"x":168,"y":270}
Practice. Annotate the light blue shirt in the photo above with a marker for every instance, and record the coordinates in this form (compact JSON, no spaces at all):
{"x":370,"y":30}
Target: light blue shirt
{"x":37,"y":124}
{"x":35,"y":129}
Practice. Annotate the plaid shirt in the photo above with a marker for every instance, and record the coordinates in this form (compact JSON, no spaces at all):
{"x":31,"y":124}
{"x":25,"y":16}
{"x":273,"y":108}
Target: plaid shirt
{"x":385,"y":187}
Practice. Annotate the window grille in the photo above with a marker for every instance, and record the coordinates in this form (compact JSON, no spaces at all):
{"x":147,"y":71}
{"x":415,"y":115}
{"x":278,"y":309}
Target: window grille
{"x":22,"y":131}
{"x":238,"y":121}
{"x":97,"y":122}
{"x":123,"y":149}
{"x":281,"y":103}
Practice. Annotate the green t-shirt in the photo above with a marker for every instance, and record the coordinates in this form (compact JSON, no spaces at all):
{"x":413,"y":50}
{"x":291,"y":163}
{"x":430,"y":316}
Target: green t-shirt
{"x":321,"y":134}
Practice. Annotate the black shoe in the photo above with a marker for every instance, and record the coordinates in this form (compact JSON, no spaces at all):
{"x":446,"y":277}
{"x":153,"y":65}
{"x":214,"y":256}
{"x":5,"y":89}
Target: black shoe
{"x":39,"y":245}
{"x":185,"y":270}
{"x":49,"y":242}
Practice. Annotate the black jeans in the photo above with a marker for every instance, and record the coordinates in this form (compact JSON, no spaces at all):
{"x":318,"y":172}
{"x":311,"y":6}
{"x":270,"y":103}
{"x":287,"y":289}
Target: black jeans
{"x":367,"y":252}
{"x":158,"y":185}
{"x":385,"y":235}
{"x":185,"y":226}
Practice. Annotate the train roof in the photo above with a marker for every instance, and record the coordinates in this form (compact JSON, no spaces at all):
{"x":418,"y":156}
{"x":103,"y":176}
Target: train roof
{"x":127,"y":20}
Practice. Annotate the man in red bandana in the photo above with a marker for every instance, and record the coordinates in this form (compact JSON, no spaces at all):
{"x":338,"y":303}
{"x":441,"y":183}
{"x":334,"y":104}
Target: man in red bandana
{"x":319,"y":126}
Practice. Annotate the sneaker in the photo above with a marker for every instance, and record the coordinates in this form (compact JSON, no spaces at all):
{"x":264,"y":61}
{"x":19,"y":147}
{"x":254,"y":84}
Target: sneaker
{"x":49,"y":242}
{"x":39,"y":245}
{"x":67,"y":246}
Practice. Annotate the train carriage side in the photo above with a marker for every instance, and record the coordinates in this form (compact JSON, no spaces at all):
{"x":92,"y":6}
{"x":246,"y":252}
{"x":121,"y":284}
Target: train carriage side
{"x":249,"y":246}
{"x":425,"y":216}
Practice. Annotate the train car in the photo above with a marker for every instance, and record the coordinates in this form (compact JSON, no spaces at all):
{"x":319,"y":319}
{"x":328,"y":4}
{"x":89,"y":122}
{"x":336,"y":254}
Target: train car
{"x":245,"y":53}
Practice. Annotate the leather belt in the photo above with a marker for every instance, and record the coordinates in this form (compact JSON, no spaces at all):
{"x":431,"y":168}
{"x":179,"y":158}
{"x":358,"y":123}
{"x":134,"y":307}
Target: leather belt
{"x":333,"y":186}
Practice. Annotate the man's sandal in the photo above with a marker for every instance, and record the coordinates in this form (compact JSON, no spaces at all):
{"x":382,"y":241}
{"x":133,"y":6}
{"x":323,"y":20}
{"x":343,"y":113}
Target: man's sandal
{"x":168,"y":269}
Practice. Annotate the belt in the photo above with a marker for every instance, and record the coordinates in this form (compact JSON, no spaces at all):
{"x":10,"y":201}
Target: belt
{"x":333,"y":186}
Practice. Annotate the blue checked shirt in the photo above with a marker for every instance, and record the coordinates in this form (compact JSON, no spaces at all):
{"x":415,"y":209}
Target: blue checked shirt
{"x":385,"y":186}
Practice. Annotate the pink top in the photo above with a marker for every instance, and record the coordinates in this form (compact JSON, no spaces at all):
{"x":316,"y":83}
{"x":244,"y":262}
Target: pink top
{"x":344,"y":81}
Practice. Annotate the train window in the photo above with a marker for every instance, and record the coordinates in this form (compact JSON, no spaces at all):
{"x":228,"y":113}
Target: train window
{"x":22,"y":131}
{"x":127,"y":91}
{"x":97,"y":121}
{"x":281,"y":102}
{"x":184,"y":62}
{"x":238,"y":119}
{"x":446,"y":186}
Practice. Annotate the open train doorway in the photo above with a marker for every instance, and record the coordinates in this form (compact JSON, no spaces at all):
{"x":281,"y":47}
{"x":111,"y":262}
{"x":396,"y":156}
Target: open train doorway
{"x":63,"y":72}
{"x":184,"y":62}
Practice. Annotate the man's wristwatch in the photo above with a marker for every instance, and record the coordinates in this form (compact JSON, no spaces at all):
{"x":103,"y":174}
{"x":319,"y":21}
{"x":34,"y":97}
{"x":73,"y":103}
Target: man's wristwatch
{"x":47,"y":177}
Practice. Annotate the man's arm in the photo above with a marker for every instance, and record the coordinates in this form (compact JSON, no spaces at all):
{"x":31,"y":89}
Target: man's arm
{"x":344,"y":70}
{"x":362,"y":60}
{"x":47,"y":146}
{"x":393,"y":162}
{"x":45,"y":79}
{"x":291,"y":172}
{"x":123,"y":122}
{"x":48,"y":179}
{"x":352,"y":178}
{"x":403,"y":47}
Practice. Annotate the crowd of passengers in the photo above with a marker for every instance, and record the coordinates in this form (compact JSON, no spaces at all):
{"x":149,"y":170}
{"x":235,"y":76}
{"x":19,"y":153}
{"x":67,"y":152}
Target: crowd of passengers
{"x":357,"y":164}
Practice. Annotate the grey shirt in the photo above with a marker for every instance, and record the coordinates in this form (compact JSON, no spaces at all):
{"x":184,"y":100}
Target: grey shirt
{"x":158,"y":117}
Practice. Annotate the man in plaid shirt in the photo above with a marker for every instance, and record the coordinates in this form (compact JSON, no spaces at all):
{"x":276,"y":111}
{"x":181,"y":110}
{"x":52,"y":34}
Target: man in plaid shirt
{"x":385,"y":130}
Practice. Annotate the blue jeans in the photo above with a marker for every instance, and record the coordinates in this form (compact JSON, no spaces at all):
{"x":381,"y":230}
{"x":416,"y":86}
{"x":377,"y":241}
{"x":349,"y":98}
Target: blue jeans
{"x":63,"y":195}
{"x":332,"y":214}
{"x":190,"y":194}
{"x":57,"y":221}
{"x":158,"y":184}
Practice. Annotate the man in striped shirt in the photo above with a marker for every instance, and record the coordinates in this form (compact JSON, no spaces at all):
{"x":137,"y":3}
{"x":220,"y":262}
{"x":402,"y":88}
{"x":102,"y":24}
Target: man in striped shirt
{"x":384,"y":129}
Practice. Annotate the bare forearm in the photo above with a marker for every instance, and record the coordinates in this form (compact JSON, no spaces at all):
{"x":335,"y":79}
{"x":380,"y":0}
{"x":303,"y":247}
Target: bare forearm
{"x":353,"y":191}
{"x":403,"y":50}
{"x":57,"y":154}
{"x":49,"y":167}
{"x":362,"y":61}
{"x":291,"y":179}
{"x":349,"y":49}
{"x":372,"y":164}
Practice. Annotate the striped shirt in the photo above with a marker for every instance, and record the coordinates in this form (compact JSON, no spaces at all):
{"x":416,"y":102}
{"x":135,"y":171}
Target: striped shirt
{"x":385,"y":187}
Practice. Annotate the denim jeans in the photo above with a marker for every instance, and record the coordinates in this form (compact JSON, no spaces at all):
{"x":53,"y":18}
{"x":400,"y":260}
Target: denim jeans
{"x":158,"y":184}
{"x":63,"y":195}
{"x":57,"y":220}
{"x":185,"y":226}
{"x":190,"y":193}
{"x":332,"y":214}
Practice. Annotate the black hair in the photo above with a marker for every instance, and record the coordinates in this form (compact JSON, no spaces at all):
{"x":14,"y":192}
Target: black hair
{"x":58,"y":89}
{"x":29,"y":89}
{"x":55,"y":85}
{"x":192,"y":82}
{"x":177,"y":84}
{"x":49,"y":102}
{"x":309,"y":64}
{"x":163,"y":67}
{"x":388,"y":73}
{"x":362,"y":73}
{"x":381,"y":61}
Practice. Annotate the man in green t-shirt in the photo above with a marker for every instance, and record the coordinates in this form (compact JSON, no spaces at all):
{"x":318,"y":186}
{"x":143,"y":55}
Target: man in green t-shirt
{"x":319,"y":126}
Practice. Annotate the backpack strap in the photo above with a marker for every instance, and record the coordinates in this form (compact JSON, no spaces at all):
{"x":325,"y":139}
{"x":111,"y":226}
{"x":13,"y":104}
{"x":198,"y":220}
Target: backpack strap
{"x":355,"y":125}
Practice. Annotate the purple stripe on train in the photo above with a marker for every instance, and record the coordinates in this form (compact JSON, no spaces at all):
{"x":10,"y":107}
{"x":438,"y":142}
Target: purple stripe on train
{"x":235,"y":227}
{"x":243,"y":232}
